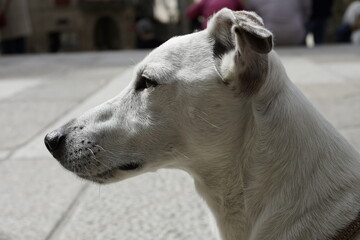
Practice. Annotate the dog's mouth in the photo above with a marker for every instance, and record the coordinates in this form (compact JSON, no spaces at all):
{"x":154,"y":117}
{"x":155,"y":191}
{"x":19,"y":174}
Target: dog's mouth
{"x":129,"y":166}
{"x":92,"y":162}
{"x":107,"y":175}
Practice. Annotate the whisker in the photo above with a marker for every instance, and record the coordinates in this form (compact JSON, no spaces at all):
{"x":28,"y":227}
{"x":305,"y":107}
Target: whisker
{"x":73,"y":166}
{"x":87,"y":171}
{"x":115,"y":152}
{"x":180,"y":153}
{"x":204,"y":113}
{"x":94,"y":158}
{"x":208,"y":122}
{"x":217,"y":71}
{"x":198,"y":112}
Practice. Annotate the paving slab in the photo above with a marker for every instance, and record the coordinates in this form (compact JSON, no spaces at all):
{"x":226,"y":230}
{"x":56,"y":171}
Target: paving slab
{"x":344,"y":113}
{"x":353,"y":135}
{"x":20,"y":121}
{"x":334,"y":94}
{"x":348,"y":70}
{"x":326,"y":91}
{"x":76,"y":86}
{"x":4,"y":154}
{"x":50,"y":65}
{"x":10,"y":87}
{"x":325,"y":53}
{"x":35,"y":194}
{"x":302,"y":70}
{"x":161,"y":205}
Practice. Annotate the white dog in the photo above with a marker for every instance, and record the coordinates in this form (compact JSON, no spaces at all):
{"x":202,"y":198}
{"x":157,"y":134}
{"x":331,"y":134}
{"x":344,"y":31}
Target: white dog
{"x":267,"y":163}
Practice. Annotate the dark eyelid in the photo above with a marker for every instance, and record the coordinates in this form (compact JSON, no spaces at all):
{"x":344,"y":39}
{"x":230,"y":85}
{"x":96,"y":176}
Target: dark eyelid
{"x":151,"y":83}
{"x":141,"y":83}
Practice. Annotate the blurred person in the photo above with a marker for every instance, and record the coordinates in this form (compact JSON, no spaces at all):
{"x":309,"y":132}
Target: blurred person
{"x":285,"y":19}
{"x":16,"y":26}
{"x":349,"y":30}
{"x":146,"y":37}
{"x":321,"y":12}
{"x":204,"y":9}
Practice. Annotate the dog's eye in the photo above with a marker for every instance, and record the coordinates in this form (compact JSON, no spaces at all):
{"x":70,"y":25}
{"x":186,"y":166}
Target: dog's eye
{"x":150,"y":83}
{"x":145,"y":82}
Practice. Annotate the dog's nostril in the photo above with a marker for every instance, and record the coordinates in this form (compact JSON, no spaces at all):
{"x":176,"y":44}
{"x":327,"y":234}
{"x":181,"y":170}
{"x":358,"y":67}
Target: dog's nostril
{"x":52,"y":140}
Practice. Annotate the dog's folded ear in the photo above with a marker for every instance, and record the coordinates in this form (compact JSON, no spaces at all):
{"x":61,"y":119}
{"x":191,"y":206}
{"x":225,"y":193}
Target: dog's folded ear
{"x":247,"y":27}
{"x":241,"y":44}
{"x":250,"y":30}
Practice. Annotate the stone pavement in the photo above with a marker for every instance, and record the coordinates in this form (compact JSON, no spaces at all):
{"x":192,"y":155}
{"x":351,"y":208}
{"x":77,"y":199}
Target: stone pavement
{"x":39,"y":200}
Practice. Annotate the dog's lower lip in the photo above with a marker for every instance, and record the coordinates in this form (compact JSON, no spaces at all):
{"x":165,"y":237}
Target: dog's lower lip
{"x":125,"y":167}
{"x":129,"y":166}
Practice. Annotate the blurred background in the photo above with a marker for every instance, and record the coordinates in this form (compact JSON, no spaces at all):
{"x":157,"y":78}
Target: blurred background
{"x":58,"y":58}
{"x":90,"y":25}
{"x":48,"y":26}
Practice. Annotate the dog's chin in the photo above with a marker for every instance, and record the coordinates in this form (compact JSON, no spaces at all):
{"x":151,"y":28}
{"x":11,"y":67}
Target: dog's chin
{"x":112,"y":175}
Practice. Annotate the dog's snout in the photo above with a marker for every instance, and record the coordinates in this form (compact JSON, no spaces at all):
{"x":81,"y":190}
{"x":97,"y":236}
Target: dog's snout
{"x":104,"y":116}
{"x":54,"y":139}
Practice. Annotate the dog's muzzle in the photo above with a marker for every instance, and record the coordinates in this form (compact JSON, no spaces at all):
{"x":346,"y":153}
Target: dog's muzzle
{"x":82,"y":154}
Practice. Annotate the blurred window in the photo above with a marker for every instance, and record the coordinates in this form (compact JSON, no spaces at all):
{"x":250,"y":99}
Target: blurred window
{"x":62,"y":3}
{"x":106,"y":34}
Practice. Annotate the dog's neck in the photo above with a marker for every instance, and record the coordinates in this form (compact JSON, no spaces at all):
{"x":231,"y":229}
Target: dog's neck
{"x":299,"y":177}
{"x":303,"y":178}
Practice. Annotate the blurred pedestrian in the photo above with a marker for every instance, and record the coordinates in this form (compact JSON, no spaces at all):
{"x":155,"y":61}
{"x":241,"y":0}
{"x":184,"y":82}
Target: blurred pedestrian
{"x":321,"y":12}
{"x":146,"y":37}
{"x":15,"y":26}
{"x":203,"y":9}
{"x":285,"y":19}
{"x":349,"y":30}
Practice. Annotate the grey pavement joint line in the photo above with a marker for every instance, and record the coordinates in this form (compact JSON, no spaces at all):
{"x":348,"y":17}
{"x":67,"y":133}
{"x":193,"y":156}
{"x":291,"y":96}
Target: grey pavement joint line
{"x":12,"y":151}
{"x":60,"y":224}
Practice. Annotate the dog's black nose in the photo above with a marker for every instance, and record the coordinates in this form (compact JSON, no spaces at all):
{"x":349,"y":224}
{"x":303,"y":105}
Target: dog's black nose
{"x":53,"y":140}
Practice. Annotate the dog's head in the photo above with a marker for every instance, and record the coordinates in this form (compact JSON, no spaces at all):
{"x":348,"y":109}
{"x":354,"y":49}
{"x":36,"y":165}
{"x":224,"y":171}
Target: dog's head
{"x":184,"y":107}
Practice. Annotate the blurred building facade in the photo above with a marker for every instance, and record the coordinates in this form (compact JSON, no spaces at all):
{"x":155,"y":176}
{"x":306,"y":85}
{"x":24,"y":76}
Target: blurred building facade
{"x":81,"y":25}
{"x":91,"y":25}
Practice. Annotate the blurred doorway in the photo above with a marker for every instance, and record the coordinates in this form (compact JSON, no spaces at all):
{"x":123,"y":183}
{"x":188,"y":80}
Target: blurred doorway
{"x":106,"y":34}
{"x":54,"y":42}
